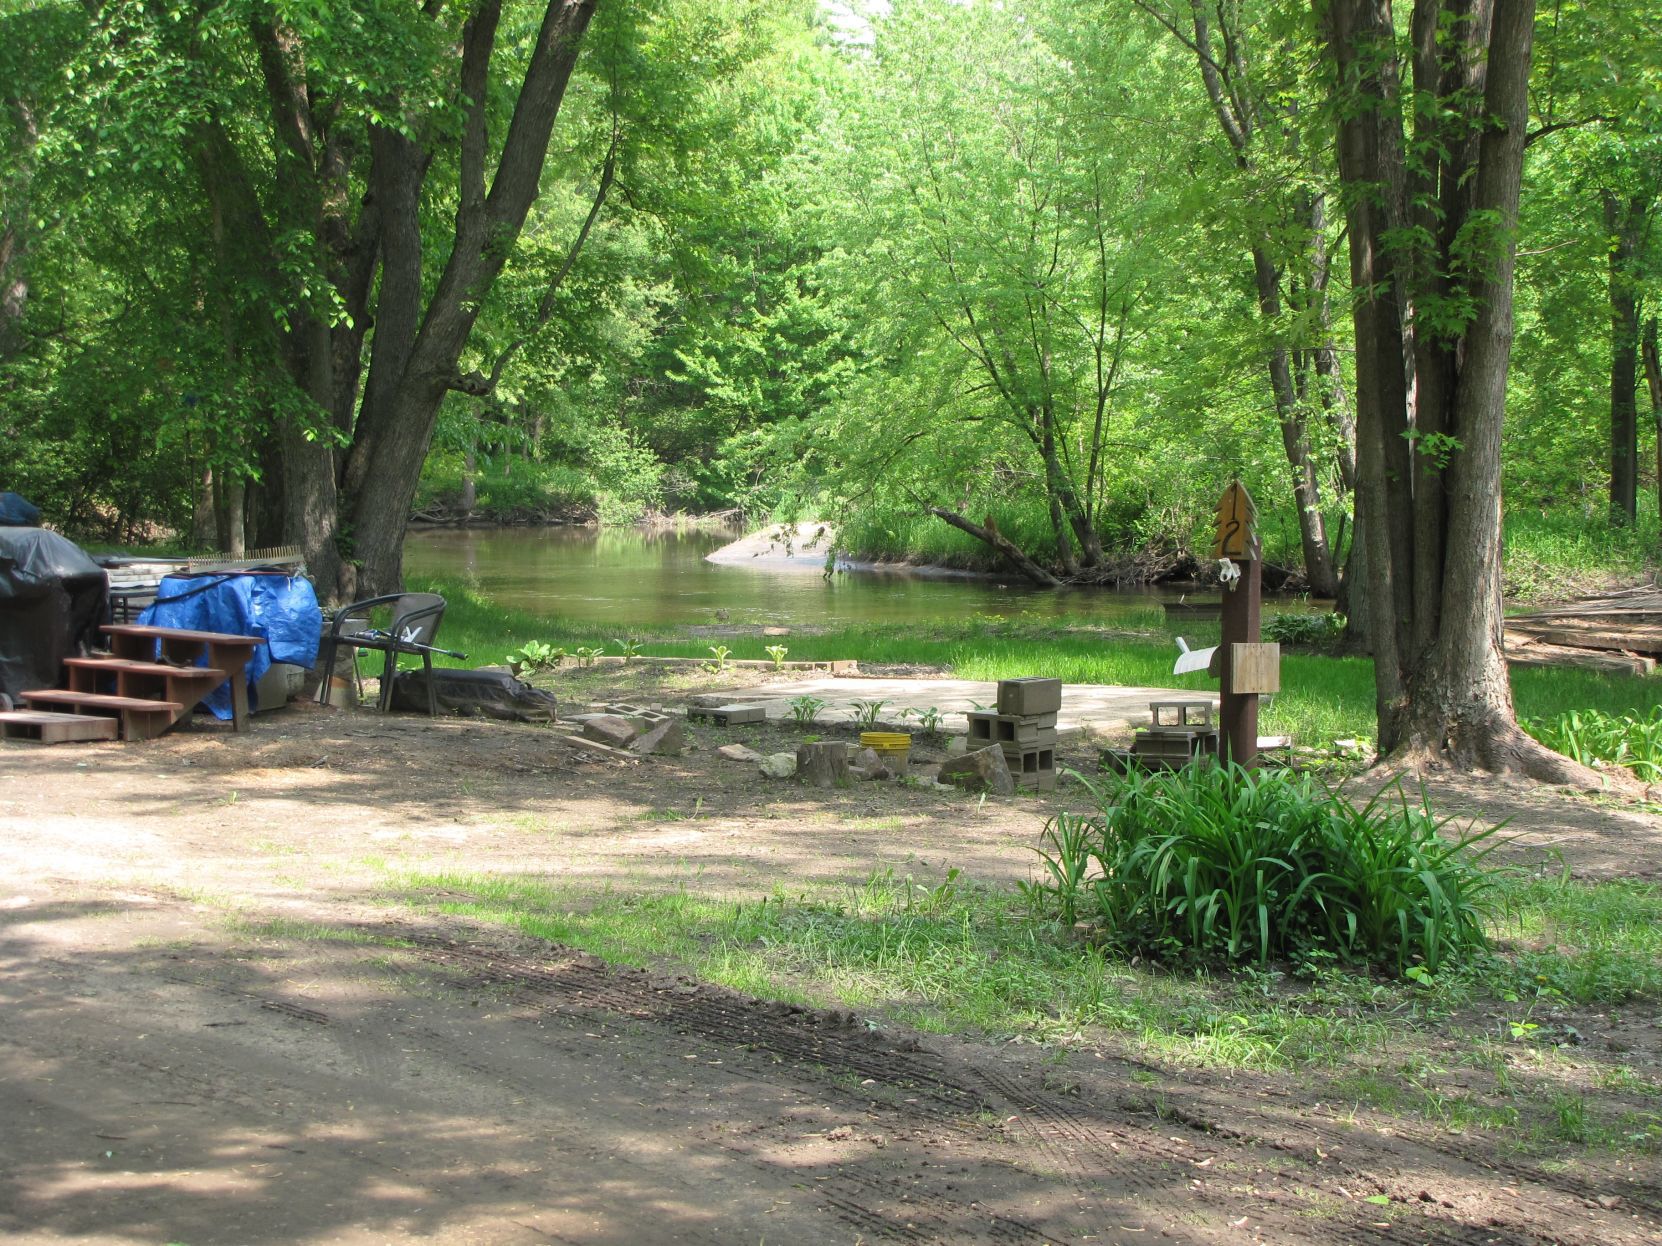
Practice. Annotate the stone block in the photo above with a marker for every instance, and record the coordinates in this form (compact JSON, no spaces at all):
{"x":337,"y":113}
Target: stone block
{"x":609,"y":729}
{"x":1026,"y":698}
{"x":738,"y":752}
{"x":668,"y":737}
{"x":983,"y":770}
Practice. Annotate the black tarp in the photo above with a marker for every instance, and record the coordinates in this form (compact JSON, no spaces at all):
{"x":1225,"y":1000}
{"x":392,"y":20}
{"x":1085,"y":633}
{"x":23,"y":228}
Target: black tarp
{"x":473,"y":694}
{"x":52,"y":599}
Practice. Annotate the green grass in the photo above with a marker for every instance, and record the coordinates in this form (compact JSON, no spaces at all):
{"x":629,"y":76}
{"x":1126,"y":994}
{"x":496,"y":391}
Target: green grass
{"x":1591,"y":736}
{"x":1553,"y":555}
{"x":1322,"y":699}
{"x":951,"y":956}
{"x":1590,"y":943}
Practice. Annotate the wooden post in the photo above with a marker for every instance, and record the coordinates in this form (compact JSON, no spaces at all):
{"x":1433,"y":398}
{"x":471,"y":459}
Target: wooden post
{"x":1237,"y":540}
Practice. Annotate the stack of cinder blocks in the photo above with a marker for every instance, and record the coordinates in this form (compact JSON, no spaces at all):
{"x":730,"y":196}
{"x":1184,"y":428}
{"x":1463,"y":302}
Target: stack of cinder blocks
{"x":1024,"y":726}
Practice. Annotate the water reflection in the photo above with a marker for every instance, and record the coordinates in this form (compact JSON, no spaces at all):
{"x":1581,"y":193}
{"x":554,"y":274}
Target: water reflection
{"x":631,"y":577}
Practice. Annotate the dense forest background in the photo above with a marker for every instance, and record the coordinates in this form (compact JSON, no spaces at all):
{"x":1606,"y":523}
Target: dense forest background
{"x":956,"y":276}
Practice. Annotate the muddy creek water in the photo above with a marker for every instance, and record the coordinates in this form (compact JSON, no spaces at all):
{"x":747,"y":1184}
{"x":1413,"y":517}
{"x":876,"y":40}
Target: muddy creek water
{"x":628,"y":576}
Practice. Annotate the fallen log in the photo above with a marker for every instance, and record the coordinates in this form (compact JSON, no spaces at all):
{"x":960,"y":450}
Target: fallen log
{"x":1522,"y":650}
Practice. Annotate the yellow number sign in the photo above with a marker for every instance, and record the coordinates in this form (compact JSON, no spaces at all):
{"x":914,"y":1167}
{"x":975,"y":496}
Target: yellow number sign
{"x":1237,"y":519}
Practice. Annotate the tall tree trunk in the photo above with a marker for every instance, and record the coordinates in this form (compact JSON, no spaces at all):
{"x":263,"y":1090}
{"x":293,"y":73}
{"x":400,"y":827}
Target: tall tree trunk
{"x":204,"y":531}
{"x":1433,"y":544}
{"x":15,"y":228}
{"x":229,"y":498}
{"x":1653,"y":382}
{"x":1624,"y":222}
{"x":401,"y":406}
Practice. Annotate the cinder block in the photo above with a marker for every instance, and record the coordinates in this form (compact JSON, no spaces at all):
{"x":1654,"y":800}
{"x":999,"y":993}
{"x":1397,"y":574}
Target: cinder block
{"x":984,"y":725}
{"x":1022,"y":760}
{"x":728,"y":715}
{"x":1182,"y":715}
{"x":1026,"y":698}
{"x":1037,"y":780}
{"x":1180,"y":744}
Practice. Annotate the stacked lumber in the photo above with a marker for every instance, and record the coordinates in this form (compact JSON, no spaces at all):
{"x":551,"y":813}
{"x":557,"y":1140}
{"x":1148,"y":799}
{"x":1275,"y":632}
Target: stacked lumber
{"x":1619,"y":632}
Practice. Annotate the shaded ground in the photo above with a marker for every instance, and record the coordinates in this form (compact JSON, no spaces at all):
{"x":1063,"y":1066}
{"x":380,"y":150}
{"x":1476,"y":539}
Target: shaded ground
{"x":216,"y":1027}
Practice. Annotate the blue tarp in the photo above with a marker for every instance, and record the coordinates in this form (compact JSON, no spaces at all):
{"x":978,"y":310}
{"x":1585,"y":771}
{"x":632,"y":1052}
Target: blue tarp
{"x":17,"y":511}
{"x":281,"y":609}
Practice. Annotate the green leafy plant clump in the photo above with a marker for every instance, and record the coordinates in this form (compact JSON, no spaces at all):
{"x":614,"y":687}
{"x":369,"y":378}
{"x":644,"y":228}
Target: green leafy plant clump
{"x":1593,"y":737}
{"x":535,"y":655}
{"x":1305,"y":629}
{"x":1247,"y":866}
{"x":805,"y":708}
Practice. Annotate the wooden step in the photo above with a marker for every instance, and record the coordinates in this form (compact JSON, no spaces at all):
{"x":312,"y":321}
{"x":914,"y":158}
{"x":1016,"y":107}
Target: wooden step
{"x":141,"y":718}
{"x":179,"y":633}
{"x":99,"y":700}
{"x":46,"y":728}
{"x":131,"y":666}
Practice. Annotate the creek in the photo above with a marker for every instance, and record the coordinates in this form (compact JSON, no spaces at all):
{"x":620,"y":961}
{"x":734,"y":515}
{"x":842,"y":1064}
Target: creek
{"x":632,"y":577}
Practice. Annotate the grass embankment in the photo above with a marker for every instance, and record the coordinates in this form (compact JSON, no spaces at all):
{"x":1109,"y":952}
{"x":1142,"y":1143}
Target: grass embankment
{"x":1322,"y":699}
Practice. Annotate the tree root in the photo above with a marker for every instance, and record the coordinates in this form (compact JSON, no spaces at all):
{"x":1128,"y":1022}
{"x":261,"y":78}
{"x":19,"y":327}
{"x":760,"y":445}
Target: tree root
{"x":1507,"y":752}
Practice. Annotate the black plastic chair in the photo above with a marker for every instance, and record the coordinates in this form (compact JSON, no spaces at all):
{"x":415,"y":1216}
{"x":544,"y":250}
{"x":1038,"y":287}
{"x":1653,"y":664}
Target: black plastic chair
{"x":414,"y":621}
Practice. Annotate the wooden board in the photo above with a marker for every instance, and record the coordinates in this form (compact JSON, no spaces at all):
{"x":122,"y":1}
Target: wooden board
{"x":1617,"y":634}
{"x":1524,"y":650}
{"x":45,"y":728}
{"x":1254,"y":667}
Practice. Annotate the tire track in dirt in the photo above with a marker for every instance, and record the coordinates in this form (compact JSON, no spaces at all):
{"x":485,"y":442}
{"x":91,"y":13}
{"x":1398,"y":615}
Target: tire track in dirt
{"x":1091,"y":1151}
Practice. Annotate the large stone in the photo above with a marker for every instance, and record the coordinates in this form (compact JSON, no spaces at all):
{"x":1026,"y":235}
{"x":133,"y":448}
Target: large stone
{"x":983,"y":770}
{"x":738,"y":752}
{"x":609,"y":729}
{"x":667,"y":737}
{"x":823,"y":763}
{"x":866,"y":764}
{"x":778,"y":765}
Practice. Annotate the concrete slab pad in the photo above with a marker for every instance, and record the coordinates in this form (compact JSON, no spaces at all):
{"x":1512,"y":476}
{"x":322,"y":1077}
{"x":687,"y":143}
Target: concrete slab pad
{"x":1097,"y":706}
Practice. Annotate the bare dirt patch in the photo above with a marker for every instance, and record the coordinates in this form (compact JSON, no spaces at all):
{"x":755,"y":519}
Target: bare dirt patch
{"x":217,"y":1028}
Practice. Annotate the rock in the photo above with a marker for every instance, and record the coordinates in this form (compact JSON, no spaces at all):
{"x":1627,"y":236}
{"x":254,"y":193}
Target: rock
{"x":776,"y":631}
{"x":981,"y":771}
{"x":778,"y":765}
{"x":666,"y":737}
{"x":609,"y":729}
{"x":738,"y":752}
{"x":823,"y":764}
{"x":866,"y":764}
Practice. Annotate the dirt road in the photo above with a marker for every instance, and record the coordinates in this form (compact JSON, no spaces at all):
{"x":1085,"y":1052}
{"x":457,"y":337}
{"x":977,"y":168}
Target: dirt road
{"x":215,"y":1028}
